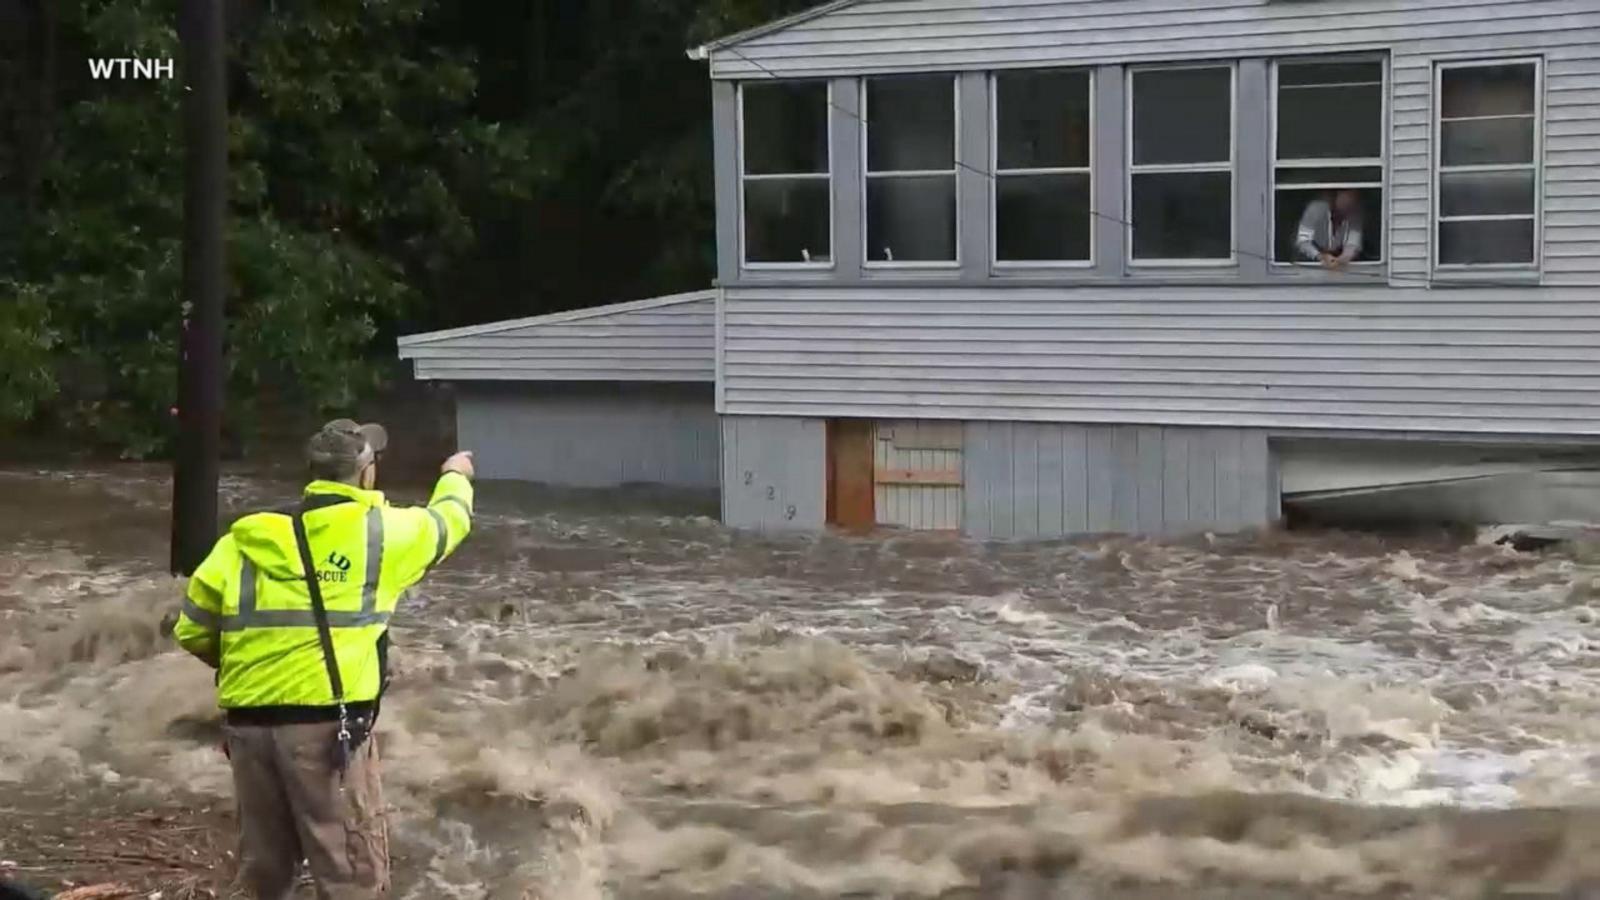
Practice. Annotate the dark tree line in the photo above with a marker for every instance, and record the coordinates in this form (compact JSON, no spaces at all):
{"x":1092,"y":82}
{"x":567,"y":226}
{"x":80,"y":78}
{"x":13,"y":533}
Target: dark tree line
{"x":396,"y":165}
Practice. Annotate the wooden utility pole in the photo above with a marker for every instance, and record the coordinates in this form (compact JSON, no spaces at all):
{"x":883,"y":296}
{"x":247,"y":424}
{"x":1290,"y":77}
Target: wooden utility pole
{"x":200,"y":370}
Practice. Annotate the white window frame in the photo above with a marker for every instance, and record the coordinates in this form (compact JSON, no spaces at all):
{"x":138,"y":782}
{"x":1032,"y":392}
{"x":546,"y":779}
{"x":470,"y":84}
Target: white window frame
{"x":999,"y":173}
{"x":1437,"y":168}
{"x":833,"y":250}
{"x":867,"y":175}
{"x":1386,"y":131}
{"x":1232,"y":168}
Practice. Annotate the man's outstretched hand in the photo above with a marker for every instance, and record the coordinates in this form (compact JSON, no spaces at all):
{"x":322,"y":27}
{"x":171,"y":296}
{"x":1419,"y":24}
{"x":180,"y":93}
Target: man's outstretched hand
{"x":460,"y":462}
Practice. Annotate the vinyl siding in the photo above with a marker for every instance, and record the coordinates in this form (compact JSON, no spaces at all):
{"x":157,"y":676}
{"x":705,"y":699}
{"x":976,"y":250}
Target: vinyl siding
{"x":774,"y":473}
{"x":669,"y":339}
{"x":591,"y":436}
{"x":922,"y":35}
{"x":1033,"y":480}
{"x":1464,"y":361}
{"x":883,"y":36}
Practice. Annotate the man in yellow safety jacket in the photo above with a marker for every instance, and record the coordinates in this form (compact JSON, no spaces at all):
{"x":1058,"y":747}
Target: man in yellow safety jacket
{"x":301,"y":661}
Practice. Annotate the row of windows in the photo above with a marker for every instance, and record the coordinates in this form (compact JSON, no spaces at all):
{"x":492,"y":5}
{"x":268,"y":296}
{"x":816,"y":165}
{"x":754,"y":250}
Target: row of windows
{"x":1327,"y":150}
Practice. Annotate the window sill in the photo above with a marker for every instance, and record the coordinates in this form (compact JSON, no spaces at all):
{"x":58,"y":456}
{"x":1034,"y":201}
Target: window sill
{"x":1365,"y":274}
{"x":1488,"y":276}
{"x":1042,"y":269}
{"x":943,"y":270}
{"x":1223,"y":272}
{"x":797,"y":273}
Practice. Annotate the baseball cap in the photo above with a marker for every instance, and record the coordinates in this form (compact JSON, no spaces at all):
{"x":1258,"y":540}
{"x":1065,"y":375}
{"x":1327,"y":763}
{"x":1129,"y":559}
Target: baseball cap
{"x":344,"y":447}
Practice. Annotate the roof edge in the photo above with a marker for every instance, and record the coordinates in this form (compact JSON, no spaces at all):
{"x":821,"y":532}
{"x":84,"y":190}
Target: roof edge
{"x":560,"y":318}
{"x":704,"y":51}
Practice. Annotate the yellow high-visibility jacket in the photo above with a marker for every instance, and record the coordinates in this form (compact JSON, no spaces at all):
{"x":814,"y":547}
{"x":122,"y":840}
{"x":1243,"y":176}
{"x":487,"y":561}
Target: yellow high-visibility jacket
{"x":248,"y":610}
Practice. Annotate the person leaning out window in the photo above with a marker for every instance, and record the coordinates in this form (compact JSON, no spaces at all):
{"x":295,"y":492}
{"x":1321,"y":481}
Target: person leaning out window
{"x":1330,"y":230}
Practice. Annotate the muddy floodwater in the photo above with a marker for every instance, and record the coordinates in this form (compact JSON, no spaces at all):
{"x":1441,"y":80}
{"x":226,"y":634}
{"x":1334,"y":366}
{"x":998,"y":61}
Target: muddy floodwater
{"x":616,"y":700}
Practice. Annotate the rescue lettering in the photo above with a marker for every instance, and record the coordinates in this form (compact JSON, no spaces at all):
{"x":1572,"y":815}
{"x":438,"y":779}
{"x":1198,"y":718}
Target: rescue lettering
{"x":334,"y":577}
{"x":103,"y":69}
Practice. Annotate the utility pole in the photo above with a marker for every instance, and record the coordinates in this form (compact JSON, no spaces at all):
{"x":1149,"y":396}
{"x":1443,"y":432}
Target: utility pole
{"x":200,"y":370}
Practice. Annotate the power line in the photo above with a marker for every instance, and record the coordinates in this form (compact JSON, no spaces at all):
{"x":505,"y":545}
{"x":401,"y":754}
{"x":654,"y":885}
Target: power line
{"x":1385,"y":277}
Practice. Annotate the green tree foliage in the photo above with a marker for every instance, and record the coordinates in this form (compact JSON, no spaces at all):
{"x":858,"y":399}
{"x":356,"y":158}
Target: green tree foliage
{"x":353,"y":155}
{"x":394,"y":165}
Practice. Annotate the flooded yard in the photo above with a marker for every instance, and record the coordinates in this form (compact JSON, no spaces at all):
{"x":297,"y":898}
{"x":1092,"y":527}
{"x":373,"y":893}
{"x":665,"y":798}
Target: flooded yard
{"x":611,"y":701}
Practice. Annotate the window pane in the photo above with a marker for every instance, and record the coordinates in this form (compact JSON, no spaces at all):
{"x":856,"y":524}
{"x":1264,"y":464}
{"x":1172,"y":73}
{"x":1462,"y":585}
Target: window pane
{"x":1182,"y":215}
{"x":1182,"y":116}
{"x":1293,"y":74}
{"x":1042,"y":217}
{"x":1480,"y":142}
{"x":1330,"y":122}
{"x":1481,"y":243}
{"x":1486,"y":193}
{"x":911,"y":219}
{"x":911,"y":123}
{"x":1291,"y":207}
{"x":1487,"y":91}
{"x":785,"y":127}
{"x":785,"y":220}
{"x":1332,"y":175}
{"x":1043,"y":120}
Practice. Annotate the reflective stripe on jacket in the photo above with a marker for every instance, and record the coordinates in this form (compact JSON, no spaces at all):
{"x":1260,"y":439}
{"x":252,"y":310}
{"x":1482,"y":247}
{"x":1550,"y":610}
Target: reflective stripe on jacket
{"x":248,"y":608}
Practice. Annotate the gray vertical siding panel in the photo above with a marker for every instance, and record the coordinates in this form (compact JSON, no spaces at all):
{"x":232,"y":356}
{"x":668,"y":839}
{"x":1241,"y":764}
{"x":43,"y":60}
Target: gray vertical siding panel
{"x":591,"y":436}
{"x":1151,"y":480}
{"x":1124,"y":463}
{"x":1175,"y":480}
{"x":1230,"y":488}
{"x":1255,"y":457}
{"x":1166,"y":483}
{"x":785,"y":461}
{"x":1052,"y":491}
{"x":1202,"y":478}
{"x":1002,"y":497}
{"x":730,"y":465}
{"x":1025,"y":479}
{"x":975,"y":509}
{"x":1075,"y":497}
{"x":1252,"y":222}
{"x":848,"y":217}
{"x":1110,"y":236}
{"x":725,"y":177}
{"x":1099,"y":474}
{"x":973,"y":184}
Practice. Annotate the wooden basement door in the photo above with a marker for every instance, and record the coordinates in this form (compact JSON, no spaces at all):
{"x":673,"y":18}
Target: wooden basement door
{"x":850,"y":474}
{"x":917,"y":475}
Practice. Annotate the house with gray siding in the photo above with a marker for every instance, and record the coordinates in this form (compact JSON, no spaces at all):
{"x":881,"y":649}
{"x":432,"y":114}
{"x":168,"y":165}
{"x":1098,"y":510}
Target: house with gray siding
{"x":1047,"y":251}
{"x":1031,"y":268}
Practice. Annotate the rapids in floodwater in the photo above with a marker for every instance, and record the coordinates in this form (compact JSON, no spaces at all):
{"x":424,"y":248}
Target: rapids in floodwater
{"x":592,"y":702}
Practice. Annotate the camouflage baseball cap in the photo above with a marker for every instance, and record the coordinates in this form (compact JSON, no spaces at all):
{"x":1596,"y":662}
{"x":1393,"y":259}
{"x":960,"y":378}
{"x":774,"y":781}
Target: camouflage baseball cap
{"x":342,"y":448}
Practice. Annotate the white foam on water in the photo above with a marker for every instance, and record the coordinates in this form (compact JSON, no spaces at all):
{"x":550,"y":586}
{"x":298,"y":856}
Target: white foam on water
{"x":620,"y":701}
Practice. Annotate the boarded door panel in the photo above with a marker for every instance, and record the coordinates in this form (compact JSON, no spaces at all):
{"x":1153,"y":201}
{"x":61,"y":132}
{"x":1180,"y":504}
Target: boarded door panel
{"x":850,"y":464}
{"x":919,"y":475}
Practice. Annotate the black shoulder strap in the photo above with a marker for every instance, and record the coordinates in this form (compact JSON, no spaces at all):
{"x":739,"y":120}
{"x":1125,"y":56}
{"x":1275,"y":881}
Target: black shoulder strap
{"x":320,"y":612}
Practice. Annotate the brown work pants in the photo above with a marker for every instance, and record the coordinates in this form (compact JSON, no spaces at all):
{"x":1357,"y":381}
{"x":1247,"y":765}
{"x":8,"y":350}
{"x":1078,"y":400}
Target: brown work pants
{"x":294,"y":805}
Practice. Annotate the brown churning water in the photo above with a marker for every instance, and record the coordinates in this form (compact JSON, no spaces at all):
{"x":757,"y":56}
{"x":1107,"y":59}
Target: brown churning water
{"x":599,"y":703}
